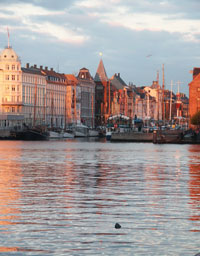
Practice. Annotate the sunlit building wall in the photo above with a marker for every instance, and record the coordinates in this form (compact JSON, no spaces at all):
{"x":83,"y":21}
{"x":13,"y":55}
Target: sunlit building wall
{"x":194,"y":93}
{"x":11,"y":101}
{"x":73,"y":100}
{"x":33,"y":96}
{"x":56,"y":89}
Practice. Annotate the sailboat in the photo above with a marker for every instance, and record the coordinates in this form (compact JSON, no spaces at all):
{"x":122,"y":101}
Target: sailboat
{"x":36,"y":132}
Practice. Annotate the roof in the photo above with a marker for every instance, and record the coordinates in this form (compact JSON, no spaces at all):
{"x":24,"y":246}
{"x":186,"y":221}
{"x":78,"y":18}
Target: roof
{"x":8,"y":54}
{"x":118,"y":82}
{"x":32,"y":70}
{"x":101,"y":73}
{"x":71,"y":78}
{"x":84,"y":74}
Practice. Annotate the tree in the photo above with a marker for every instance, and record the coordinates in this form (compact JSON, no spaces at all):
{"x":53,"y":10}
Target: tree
{"x":195,"y":119}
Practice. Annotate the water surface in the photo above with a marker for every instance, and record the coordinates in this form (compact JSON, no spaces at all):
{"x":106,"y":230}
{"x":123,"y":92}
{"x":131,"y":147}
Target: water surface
{"x":64,"y":198}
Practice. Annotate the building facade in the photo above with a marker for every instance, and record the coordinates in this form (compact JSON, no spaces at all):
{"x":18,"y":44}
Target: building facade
{"x":11,"y":99}
{"x":194,"y":93}
{"x":87,"y":86}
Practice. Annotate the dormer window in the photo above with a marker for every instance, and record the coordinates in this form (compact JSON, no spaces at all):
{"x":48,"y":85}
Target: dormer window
{"x":12,"y":56}
{"x":5,"y":56}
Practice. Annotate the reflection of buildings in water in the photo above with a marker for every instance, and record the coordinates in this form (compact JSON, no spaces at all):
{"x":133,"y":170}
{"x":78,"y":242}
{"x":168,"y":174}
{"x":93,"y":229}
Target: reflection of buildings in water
{"x":154,"y":180}
{"x":10,"y":182}
{"x":194,"y":181}
{"x":8,"y":249}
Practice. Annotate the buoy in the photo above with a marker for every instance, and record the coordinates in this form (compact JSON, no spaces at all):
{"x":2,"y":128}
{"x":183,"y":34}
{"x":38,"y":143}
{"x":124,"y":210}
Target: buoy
{"x":117,"y":225}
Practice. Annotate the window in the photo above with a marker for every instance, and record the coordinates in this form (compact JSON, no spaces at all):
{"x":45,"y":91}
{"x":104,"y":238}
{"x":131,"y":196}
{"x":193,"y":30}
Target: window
{"x":17,"y":77}
{"x":13,"y":98}
{"x":7,"y":67}
{"x":13,"y":88}
{"x":13,"y":109}
{"x":5,"y":56}
{"x":7,"y":77}
{"x":13,"y":77}
{"x":13,"y":67}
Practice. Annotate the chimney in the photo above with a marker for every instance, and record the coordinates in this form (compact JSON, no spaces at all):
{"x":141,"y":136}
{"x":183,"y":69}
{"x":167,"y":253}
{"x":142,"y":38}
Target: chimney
{"x":118,"y":74}
{"x":46,"y":68}
{"x":27,"y":65}
{"x":41,"y":67}
{"x":35,"y":66}
{"x":51,"y":69}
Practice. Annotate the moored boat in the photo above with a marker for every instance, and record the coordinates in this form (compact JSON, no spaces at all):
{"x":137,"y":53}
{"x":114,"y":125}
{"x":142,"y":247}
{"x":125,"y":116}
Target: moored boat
{"x":34,"y":133}
{"x":131,"y":136}
{"x":80,"y":130}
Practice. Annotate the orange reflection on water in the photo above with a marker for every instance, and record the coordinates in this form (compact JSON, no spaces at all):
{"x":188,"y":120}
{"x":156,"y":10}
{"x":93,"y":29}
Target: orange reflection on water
{"x":10,"y":181}
{"x":194,"y":182}
{"x":8,"y":249}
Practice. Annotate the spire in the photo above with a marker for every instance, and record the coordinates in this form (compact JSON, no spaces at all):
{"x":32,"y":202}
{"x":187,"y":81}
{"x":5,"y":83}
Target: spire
{"x":101,"y":73}
{"x":8,"y":38}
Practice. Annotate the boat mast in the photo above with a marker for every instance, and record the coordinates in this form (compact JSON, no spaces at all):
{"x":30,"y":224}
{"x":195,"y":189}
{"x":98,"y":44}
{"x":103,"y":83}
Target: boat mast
{"x":35,"y":102}
{"x":163,"y":94}
{"x":170,"y":113}
{"x":52,"y":106}
{"x":158,"y":95}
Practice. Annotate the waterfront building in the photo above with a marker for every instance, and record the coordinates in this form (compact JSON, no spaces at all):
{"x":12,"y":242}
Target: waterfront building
{"x":121,"y":97}
{"x":33,"y":96}
{"x":11,"y":100}
{"x":87,"y":86}
{"x":113,"y":96}
{"x":102,"y":105}
{"x":194,"y":93}
{"x":73,"y":101}
{"x":56,"y":90}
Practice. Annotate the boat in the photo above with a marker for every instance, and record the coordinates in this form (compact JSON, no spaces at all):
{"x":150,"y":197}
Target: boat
{"x":117,"y":124}
{"x":93,"y":133}
{"x":34,"y":133}
{"x":131,"y":136}
{"x":60,"y":134}
{"x":54,"y":135}
{"x":80,"y":130}
{"x":67,"y":134}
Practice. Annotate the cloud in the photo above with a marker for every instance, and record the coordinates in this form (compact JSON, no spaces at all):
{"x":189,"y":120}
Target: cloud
{"x":73,"y":32}
{"x":28,"y":15}
{"x":144,"y":15}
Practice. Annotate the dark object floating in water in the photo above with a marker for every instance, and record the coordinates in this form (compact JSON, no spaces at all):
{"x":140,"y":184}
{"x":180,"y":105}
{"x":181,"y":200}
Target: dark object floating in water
{"x":117,"y":225}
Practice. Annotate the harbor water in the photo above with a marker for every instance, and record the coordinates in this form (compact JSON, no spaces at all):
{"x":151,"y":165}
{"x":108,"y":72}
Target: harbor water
{"x":65,"y":197}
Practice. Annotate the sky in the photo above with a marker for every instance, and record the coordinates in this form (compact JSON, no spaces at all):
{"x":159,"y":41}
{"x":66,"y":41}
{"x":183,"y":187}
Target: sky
{"x":133,"y":37}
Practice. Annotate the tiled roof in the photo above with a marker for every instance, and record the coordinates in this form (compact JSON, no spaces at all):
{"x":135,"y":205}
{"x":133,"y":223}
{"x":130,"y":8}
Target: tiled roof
{"x":71,"y":78}
{"x":32,"y":70}
{"x":118,"y":82}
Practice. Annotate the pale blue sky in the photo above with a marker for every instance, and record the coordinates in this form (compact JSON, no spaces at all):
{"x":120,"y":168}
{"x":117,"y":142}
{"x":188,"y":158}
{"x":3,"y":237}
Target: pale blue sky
{"x":135,"y":36}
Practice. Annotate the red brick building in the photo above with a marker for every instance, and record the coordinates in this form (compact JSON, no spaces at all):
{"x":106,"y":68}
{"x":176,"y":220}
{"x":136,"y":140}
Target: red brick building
{"x":194,"y":93}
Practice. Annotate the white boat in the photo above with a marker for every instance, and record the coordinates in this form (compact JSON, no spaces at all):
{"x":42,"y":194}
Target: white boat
{"x":93,"y":133}
{"x":54,"y":135}
{"x":80,"y":130}
{"x":65,"y":134}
